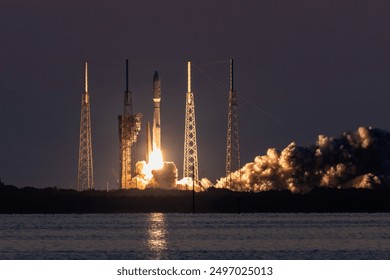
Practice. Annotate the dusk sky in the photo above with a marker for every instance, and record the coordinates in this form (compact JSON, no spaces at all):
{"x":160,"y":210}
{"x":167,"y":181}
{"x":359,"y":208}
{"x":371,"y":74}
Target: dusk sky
{"x":302,"y":68}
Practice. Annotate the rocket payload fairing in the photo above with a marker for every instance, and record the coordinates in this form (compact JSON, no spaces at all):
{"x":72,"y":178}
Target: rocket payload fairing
{"x":156,"y":115}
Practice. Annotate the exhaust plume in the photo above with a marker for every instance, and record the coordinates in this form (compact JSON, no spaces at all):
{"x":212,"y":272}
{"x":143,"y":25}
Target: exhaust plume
{"x":359,"y":159}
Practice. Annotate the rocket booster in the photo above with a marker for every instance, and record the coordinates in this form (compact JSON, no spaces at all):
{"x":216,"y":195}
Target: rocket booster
{"x":156,"y":115}
{"x":148,"y":141}
{"x":156,"y":87}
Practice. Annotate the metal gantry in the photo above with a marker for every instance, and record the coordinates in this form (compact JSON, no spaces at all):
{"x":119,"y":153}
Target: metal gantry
{"x":190,"y":168}
{"x":233,"y":137}
{"x":129,"y":127}
{"x":85,"y":165}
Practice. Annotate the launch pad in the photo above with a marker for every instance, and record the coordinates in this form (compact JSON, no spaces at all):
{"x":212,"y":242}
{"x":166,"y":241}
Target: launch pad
{"x":154,"y":171}
{"x":129,"y":125}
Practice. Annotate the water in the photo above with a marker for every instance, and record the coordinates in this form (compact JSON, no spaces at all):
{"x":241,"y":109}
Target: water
{"x":200,"y":236}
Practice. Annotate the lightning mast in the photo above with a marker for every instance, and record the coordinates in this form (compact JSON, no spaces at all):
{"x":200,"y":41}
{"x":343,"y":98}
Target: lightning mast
{"x":85,"y":165}
{"x":233,"y":137}
{"x":190,"y":147}
{"x":129,"y":126}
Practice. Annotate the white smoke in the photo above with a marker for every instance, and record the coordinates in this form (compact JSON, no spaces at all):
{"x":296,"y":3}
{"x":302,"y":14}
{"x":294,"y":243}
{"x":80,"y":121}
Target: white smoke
{"x":205,"y":183}
{"x":140,"y":181}
{"x":359,"y":159}
{"x":164,"y":178}
{"x":187,"y":184}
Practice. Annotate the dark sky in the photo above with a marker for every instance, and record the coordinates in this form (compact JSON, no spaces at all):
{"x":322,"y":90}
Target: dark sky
{"x":303,"y":68}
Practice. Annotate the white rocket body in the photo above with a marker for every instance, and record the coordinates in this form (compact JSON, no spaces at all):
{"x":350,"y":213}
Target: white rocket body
{"x":156,"y":115}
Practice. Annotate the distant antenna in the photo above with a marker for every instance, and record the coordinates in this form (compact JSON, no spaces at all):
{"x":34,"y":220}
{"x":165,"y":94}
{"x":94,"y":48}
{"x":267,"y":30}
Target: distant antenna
{"x":233,"y":137}
{"x":190,"y":147}
{"x":85,"y":165}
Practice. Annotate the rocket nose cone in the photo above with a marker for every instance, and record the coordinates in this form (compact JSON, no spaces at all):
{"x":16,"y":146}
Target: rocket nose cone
{"x":156,"y":77}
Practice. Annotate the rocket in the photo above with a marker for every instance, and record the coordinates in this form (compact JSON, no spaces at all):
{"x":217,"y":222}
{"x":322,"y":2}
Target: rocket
{"x":156,"y":115}
{"x":148,"y":141}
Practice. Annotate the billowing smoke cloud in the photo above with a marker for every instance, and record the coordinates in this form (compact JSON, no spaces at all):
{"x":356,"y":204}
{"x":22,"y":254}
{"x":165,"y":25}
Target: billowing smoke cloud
{"x":187,"y":184}
{"x":164,"y":178}
{"x":359,"y":159}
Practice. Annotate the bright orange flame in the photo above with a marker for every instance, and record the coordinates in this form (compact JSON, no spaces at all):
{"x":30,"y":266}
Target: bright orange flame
{"x":156,"y":159}
{"x":155,"y":163}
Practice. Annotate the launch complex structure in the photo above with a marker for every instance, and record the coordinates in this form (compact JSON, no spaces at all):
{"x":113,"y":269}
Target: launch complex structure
{"x":85,"y":165}
{"x":233,"y":137}
{"x":129,"y":126}
{"x":190,"y":168}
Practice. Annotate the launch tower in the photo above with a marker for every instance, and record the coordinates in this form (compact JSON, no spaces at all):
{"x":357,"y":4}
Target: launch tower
{"x":233,"y":138}
{"x":129,"y":127}
{"x":190,"y":148}
{"x":85,"y":166}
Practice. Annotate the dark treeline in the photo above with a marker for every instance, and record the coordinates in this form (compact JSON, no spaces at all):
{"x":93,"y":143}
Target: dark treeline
{"x":54,"y":200}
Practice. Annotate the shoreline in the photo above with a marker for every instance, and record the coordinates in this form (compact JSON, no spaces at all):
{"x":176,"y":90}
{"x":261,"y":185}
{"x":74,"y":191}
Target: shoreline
{"x":52,"y":200}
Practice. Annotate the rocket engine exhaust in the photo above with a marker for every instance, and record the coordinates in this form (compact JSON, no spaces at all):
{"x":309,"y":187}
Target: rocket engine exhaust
{"x":359,"y":159}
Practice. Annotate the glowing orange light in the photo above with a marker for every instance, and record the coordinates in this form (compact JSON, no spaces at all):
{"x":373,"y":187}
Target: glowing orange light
{"x":155,"y":163}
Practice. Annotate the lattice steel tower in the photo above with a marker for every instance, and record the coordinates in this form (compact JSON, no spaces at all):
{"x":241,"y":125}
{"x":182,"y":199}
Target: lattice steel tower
{"x":233,"y":137}
{"x":129,"y":126}
{"x":85,"y":166}
{"x":190,"y":148}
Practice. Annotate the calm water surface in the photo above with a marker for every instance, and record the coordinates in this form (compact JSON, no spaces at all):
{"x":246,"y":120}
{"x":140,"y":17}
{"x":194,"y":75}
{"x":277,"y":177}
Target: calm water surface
{"x":199,"y":236}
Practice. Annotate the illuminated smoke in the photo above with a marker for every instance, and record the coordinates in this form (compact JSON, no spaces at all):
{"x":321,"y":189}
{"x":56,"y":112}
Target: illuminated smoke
{"x":359,"y":159}
{"x":187,"y":184}
{"x":165,"y":177}
{"x":141,"y":180}
{"x":206,"y":183}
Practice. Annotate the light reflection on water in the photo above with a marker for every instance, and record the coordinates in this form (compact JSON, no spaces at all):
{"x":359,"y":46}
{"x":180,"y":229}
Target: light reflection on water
{"x":157,"y":235}
{"x":199,"y":236}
